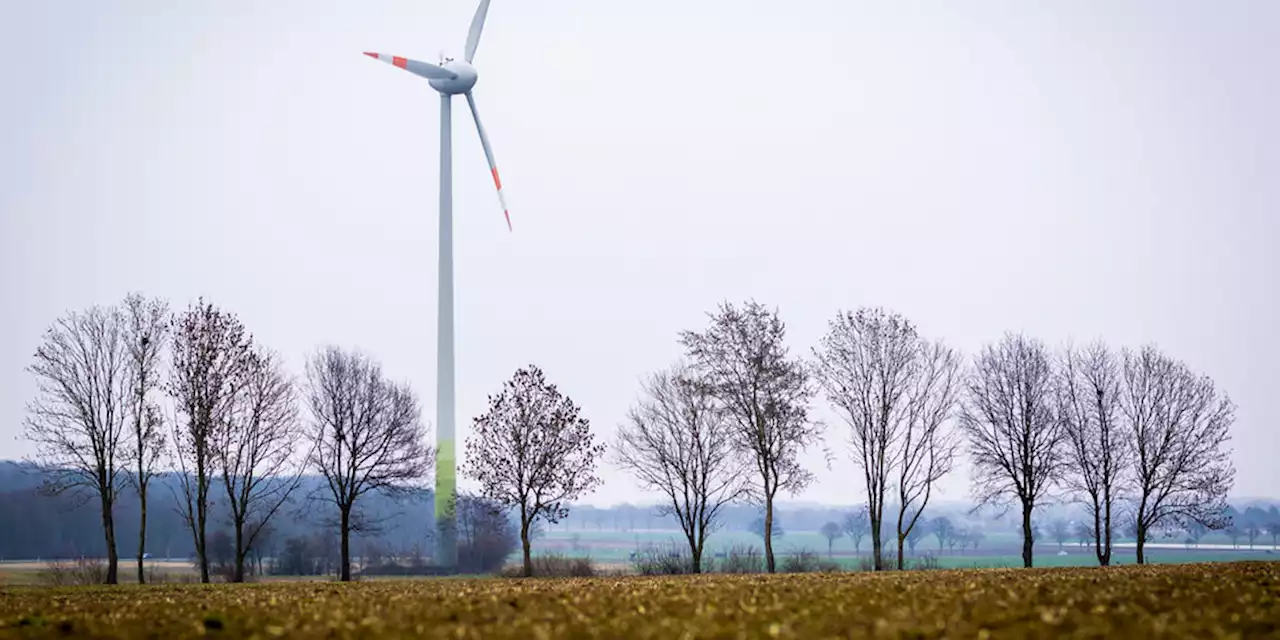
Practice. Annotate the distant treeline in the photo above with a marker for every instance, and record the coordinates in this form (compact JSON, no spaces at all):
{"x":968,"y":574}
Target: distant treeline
{"x":33,"y":525}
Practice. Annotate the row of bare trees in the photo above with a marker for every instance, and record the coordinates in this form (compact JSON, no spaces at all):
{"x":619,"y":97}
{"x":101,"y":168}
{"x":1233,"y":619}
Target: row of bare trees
{"x":1099,"y":426}
{"x":728,"y":422}
{"x":234,"y":430}
{"x":233,"y":426}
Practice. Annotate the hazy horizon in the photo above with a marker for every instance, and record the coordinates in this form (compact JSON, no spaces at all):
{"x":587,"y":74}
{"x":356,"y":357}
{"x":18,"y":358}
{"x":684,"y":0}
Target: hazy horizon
{"x":1070,"y":171}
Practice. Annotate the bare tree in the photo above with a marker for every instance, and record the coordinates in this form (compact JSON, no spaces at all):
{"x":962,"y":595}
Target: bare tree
{"x":147,"y":323}
{"x":365,"y":435}
{"x":532,"y":450}
{"x":676,"y":441}
{"x":926,"y":447}
{"x":856,"y":525}
{"x":211,"y":354}
{"x":255,"y":452}
{"x":1015,"y":436}
{"x":831,"y":531}
{"x":1096,"y":452}
{"x":895,"y":391}
{"x":78,"y":419}
{"x":1178,"y":426}
{"x":865,"y":363}
{"x":743,"y":361}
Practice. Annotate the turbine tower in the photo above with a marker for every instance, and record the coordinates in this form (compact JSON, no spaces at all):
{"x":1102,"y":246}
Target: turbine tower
{"x":449,"y":78}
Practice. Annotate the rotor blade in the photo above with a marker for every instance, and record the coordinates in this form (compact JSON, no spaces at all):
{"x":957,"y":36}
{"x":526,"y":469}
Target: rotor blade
{"x":477,"y":25}
{"x":424,"y":69}
{"x":488,"y":155}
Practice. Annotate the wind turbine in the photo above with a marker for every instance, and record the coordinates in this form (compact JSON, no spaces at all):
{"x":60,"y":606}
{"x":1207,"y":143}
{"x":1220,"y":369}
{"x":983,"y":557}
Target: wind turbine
{"x":449,"y":78}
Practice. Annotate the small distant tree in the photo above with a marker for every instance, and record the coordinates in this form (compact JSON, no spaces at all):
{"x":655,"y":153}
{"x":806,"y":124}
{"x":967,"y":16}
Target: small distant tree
{"x":775,"y":531}
{"x":831,"y":531}
{"x":1179,"y":426}
{"x":857,"y":526}
{"x":1196,"y":531}
{"x":1060,"y":531}
{"x":942,"y":530}
{"x":486,"y":535}
{"x":533,"y":451}
{"x":677,"y":441}
{"x":365,"y":436}
{"x":743,"y":361}
{"x":1253,"y":531}
{"x":975,"y":538}
{"x":1014,"y":432}
{"x":78,"y":419}
{"x":1084,"y":533}
{"x":1235,"y":533}
{"x":915,"y":535}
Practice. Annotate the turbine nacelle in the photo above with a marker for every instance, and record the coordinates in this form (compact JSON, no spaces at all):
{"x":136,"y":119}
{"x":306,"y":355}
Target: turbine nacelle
{"x":464,"y":78}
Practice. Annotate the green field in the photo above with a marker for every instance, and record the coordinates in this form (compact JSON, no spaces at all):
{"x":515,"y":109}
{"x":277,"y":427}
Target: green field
{"x":997,"y":550}
{"x":1240,"y":600}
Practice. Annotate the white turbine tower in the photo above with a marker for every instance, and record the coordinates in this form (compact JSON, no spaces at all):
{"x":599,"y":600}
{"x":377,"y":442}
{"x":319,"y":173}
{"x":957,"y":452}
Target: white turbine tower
{"x":450,"y":78}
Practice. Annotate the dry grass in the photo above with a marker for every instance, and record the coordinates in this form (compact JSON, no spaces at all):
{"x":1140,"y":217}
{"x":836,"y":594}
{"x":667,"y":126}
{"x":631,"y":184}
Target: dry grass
{"x":1167,"y":601}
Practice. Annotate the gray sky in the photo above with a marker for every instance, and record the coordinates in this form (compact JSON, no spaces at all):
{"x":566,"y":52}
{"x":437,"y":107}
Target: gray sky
{"x":1085,"y":169}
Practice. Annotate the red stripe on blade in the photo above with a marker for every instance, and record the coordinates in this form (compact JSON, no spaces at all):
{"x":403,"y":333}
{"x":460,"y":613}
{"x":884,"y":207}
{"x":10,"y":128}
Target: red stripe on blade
{"x":496,"y":179}
{"x":371,"y":55}
{"x":508,"y":215}
{"x":399,"y":62}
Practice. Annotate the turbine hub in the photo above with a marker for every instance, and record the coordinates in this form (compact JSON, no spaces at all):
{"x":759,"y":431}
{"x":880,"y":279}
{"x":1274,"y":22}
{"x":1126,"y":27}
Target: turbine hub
{"x":461,"y":84}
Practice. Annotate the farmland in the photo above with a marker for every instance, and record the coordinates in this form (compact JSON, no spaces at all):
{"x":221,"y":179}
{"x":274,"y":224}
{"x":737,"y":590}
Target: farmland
{"x":1190,"y":600}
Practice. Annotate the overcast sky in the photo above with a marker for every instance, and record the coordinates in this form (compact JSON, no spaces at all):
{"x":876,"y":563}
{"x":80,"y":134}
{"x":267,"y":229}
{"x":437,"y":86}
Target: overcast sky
{"x":1071,"y":170}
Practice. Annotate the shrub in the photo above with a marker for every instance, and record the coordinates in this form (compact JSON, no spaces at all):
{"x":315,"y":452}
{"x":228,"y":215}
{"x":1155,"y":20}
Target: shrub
{"x":926,"y":562}
{"x":742,"y":558}
{"x":673,"y":560}
{"x":556,"y":565}
{"x":80,"y":572}
{"x":806,"y":561}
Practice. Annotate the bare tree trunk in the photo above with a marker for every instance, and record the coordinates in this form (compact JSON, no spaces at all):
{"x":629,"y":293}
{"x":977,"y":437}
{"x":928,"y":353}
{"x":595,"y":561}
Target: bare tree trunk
{"x":108,"y":526}
{"x":877,"y":557}
{"x":1106,"y":558}
{"x":697,"y":552}
{"x":1098,"y":549}
{"x":1027,"y":535}
{"x":1142,"y":539}
{"x":346,"y":545}
{"x":142,"y":534}
{"x":527,"y":548}
{"x":901,"y":542}
{"x":768,"y":533}
{"x":238,"y":575}
{"x":202,"y":512}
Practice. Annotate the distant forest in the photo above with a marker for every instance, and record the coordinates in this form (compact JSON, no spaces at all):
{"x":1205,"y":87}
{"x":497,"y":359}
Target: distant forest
{"x":34,"y":525}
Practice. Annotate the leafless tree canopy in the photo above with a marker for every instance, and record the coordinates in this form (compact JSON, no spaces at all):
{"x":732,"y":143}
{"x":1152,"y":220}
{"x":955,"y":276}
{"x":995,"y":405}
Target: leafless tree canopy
{"x":678,"y":442}
{"x":1010,"y":420}
{"x":211,"y":356}
{"x":365,"y":434}
{"x":927,"y":447}
{"x":77,"y":422}
{"x":534,"y":451}
{"x":1178,"y":425}
{"x":743,"y":361}
{"x":255,"y":451}
{"x":895,"y":391}
{"x":1096,"y":452}
{"x":147,"y":327}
